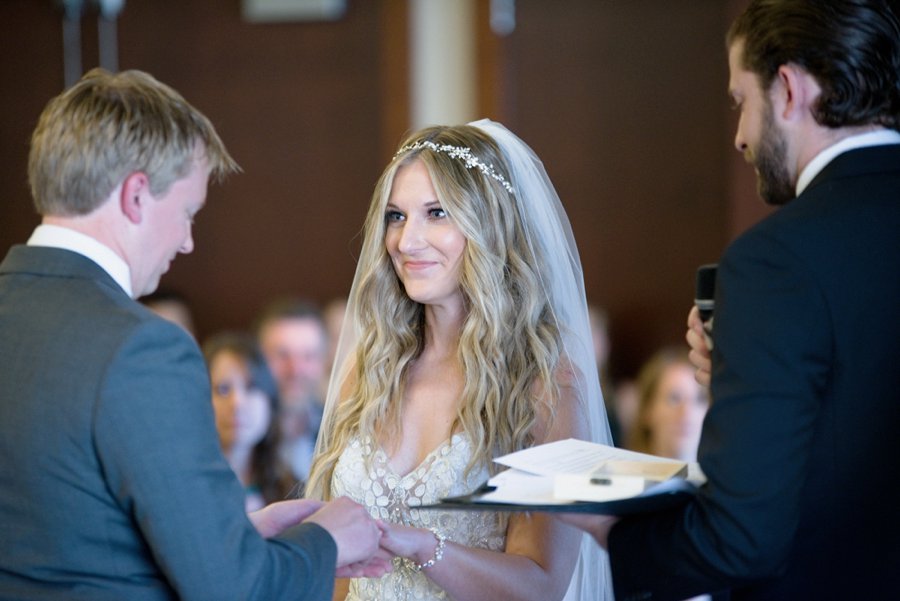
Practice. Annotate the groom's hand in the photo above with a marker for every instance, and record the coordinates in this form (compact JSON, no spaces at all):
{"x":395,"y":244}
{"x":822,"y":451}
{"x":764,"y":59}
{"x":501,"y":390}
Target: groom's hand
{"x":355,"y":532}
{"x":274,"y":519}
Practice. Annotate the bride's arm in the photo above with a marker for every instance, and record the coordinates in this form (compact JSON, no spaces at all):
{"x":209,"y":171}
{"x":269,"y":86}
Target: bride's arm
{"x":537,"y":564}
{"x":540,"y":551}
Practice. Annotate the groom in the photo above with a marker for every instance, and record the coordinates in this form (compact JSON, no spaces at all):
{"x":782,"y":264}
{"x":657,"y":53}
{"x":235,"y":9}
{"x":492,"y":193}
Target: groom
{"x":112,"y":485}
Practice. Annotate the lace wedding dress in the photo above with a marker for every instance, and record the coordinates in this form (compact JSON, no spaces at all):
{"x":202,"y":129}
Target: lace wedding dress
{"x":394,"y":497}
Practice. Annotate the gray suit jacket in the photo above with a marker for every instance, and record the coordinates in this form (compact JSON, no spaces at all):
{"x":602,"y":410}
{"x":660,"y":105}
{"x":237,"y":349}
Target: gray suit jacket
{"x":112,"y":484}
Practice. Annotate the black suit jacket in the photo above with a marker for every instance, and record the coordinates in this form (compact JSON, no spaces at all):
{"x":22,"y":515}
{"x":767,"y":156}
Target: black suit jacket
{"x":112,"y":485}
{"x":802,"y":442}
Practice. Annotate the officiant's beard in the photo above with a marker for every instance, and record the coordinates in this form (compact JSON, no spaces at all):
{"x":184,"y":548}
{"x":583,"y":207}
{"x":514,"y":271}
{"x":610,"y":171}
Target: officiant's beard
{"x":773,"y":180}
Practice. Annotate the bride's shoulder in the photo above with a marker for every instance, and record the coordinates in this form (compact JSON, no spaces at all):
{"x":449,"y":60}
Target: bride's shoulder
{"x":564,"y":414}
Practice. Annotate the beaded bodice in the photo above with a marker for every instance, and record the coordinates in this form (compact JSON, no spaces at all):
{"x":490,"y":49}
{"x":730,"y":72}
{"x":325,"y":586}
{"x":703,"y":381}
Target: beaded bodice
{"x":364,"y":474}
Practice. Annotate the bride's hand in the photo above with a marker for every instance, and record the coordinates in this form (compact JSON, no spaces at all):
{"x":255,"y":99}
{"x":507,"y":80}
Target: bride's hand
{"x":417,"y":544}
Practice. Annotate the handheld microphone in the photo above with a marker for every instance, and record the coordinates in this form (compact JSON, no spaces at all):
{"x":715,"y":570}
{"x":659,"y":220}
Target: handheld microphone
{"x":705,"y":297}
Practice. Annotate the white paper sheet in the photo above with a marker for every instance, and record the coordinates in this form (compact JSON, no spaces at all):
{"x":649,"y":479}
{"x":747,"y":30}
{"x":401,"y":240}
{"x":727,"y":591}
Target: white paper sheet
{"x":570,"y":456}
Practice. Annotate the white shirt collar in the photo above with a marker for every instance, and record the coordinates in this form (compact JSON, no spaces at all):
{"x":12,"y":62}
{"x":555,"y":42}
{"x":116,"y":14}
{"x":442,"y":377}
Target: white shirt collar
{"x":56,"y":236}
{"x":872,"y":138}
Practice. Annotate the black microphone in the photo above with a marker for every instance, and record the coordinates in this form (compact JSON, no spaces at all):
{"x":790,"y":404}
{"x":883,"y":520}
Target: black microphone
{"x":705,"y":295}
{"x":705,"y":298}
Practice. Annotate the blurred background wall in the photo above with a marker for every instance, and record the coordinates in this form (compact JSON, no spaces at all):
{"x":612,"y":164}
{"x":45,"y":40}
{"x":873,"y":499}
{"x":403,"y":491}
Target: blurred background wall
{"x":624,"y":100}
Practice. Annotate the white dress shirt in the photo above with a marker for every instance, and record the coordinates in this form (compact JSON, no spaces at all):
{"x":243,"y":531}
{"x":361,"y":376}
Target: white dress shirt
{"x":56,"y":236}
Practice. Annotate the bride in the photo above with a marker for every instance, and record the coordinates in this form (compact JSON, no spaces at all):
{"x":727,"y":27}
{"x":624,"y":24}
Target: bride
{"x":466,"y":337}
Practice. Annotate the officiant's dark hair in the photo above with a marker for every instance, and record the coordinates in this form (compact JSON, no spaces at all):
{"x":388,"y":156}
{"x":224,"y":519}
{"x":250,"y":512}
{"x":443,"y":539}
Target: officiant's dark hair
{"x":851,"y":48}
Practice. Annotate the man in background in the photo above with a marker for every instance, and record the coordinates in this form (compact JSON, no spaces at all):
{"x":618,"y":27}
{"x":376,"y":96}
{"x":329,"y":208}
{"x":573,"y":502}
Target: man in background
{"x":172,"y":305}
{"x":293,"y":338}
{"x":112,"y":484}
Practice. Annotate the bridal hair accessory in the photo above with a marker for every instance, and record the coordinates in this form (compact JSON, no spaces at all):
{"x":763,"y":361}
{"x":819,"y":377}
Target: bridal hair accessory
{"x":462,"y":153}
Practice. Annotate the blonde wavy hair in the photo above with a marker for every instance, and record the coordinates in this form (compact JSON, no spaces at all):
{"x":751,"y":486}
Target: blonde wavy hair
{"x":509,"y":346}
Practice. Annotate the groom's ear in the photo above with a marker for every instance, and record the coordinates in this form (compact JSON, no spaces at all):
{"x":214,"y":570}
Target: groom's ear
{"x":134,"y":195}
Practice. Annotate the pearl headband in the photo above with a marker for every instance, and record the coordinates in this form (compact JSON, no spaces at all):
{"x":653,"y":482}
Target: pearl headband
{"x":462,"y":153}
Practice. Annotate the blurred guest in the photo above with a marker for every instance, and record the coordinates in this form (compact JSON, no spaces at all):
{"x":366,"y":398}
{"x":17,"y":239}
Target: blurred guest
{"x":671,"y":407}
{"x":619,"y":398}
{"x":172,"y":305}
{"x":625,"y":404}
{"x":294,"y":341}
{"x":599,"y":321}
{"x":245,"y":400}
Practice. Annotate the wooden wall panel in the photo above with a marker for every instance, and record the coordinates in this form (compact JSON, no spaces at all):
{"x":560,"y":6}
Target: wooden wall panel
{"x":299,"y":105}
{"x":624,"y":100}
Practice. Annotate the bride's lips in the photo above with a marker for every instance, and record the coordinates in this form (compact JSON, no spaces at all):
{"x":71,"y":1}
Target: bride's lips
{"x":418,"y":265}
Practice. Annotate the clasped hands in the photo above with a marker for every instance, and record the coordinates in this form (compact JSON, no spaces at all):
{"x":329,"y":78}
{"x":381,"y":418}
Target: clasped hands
{"x":366,"y":546}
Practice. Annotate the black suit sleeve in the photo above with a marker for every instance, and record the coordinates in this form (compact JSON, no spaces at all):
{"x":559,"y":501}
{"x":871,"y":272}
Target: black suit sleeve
{"x":770,"y":362}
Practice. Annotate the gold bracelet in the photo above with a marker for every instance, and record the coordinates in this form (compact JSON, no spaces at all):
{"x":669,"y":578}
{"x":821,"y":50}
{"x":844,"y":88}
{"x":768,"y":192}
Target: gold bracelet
{"x":438,"y":552}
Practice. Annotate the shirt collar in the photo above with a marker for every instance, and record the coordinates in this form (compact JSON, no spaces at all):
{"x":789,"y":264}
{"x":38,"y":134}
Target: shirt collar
{"x":872,"y":138}
{"x":56,"y":236}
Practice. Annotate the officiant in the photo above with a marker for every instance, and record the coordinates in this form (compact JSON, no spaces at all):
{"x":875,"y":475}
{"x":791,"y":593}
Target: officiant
{"x":800,"y":444}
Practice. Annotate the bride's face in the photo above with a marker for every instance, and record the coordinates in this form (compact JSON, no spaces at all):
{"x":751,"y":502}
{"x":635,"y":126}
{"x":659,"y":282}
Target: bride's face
{"x":425,"y":245}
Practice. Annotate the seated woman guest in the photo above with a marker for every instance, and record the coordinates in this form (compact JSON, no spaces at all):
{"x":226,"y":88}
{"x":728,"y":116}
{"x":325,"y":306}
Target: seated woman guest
{"x":245,"y":400}
{"x":470,"y":339}
{"x":671,"y":407}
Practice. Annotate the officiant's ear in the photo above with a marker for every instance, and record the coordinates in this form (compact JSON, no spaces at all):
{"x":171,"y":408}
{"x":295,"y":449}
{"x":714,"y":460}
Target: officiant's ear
{"x":794,"y":92}
{"x":134,"y":194}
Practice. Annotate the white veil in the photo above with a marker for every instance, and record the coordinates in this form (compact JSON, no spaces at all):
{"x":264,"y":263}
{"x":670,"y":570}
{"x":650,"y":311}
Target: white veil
{"x":547,"y":227}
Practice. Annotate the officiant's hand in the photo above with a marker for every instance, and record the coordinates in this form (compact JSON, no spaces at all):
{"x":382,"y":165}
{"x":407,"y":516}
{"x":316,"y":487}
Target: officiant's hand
{"x":699,"y":355}
{"x":596,"y":525}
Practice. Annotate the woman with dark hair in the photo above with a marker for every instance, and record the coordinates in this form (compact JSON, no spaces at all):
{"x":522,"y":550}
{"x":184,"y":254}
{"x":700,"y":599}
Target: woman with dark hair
{"x":245,"y":400}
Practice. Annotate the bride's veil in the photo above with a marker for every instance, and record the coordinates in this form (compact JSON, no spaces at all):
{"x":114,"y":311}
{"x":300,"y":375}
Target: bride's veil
{"x":548,"y":228}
